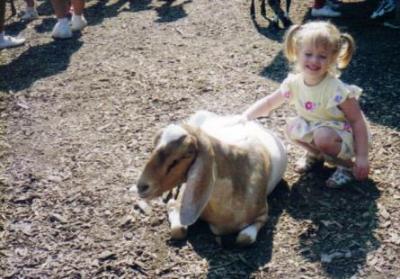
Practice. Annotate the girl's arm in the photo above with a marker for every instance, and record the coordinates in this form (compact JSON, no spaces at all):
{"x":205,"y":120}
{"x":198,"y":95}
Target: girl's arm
{"x":265,"y":105}
{"x":352,"y":111}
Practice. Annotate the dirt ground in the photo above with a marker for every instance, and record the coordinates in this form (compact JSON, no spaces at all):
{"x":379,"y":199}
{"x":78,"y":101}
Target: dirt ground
{"x":78,"y":118}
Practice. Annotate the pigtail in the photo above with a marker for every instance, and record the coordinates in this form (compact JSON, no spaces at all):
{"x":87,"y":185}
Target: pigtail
{"x":290,"y":43}
{"x":346,"y":50}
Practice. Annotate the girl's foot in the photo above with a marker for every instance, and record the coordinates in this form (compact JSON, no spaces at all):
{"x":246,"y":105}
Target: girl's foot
{"x":340,"y":177}
{"x":308,"y":163}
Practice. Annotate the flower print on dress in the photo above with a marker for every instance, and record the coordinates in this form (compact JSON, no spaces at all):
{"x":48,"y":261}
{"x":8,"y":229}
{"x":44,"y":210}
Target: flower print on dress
{"x":309,"y":105}
{"x":338,"y":98}
{"x":287,"y":94}
{"x":336,"y":111}
{"x":347,"y":126}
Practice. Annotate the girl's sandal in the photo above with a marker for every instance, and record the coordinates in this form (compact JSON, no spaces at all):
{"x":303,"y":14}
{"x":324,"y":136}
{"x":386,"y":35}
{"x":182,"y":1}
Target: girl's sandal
{"x":339,"y":178}
{"x":308,"y":163}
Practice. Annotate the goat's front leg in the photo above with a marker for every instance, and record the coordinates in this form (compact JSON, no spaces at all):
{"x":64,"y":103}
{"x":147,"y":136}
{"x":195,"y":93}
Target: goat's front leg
{"x":178,"y":231}
{"x":248,"y":235}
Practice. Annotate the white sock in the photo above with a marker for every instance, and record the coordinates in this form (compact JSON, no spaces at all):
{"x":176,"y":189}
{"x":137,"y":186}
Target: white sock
{"x":75,"y":16}
{"x":63,"y":20}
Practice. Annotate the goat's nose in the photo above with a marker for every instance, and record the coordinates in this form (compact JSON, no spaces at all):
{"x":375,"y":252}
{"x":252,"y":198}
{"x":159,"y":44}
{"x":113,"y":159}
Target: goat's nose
{"x":142,"y":187}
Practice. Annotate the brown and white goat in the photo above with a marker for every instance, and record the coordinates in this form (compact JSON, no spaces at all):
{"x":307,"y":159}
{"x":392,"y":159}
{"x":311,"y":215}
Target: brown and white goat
{"x":226,"y":167}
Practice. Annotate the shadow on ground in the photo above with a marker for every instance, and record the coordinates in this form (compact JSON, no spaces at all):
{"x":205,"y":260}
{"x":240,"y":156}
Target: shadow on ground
{"x":55,"y":55}
{"x":231,"y":261}
{"x":340,"y":223}
{"x":337,"y":230}
{"x":29,"y":66}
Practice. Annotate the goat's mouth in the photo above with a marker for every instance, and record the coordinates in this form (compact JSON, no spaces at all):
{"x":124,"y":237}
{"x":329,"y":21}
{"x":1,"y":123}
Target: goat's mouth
{"x":144,"y":190}
{"x":147,"y":193}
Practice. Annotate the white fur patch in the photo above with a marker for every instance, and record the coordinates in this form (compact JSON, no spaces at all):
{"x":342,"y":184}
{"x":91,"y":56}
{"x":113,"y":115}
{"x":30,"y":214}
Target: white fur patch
{"x":250,"y":233}
{"x":200,"y":117}
{"x":171,"y":132}
{"x":173,"y":216}
{"x":229,"y":129}
{"x":247,"y":236}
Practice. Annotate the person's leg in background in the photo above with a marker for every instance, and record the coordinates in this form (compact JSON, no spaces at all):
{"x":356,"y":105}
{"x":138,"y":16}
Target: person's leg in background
{"x":7,"y":41}
{"x":78,"y":21}
{"x":61,"y":30}
{"x":30,"y":12}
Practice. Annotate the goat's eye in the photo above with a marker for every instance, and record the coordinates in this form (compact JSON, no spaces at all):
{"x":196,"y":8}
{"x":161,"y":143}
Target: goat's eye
{"x":189,"y":154}
{"x":172,"y":165}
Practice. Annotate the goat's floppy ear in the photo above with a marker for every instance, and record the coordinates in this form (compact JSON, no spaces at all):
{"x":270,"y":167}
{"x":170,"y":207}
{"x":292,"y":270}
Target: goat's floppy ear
{"x":199,"y":185}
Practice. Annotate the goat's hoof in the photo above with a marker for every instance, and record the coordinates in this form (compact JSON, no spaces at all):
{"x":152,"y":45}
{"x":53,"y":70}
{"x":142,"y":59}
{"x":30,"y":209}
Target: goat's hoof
{"x":178,"y":232}
{"x":247,"y":236}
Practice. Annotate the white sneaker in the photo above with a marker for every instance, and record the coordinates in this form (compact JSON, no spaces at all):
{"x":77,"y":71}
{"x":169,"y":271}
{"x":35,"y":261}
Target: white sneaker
{"x":78,"y":22}
{"x":62,"y":30}
{"x":334,"y":4}
{"x":392,"y":23}
{"x":325,"y":11}
{"x":30,"y":14}
{"x":385,"y":7}
{"x":9,"y":41}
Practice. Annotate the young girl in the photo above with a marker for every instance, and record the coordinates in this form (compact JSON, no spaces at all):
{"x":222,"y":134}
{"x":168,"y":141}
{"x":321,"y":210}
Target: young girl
{"x":330,"y":124}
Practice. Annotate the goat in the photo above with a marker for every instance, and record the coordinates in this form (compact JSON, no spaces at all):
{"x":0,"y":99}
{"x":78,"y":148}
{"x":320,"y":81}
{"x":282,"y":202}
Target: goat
{"x":226,"y":166}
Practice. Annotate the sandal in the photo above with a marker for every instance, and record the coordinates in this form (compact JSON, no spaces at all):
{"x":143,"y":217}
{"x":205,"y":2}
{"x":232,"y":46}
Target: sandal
{"x":340,"y":177}
{"x":308,"y":163}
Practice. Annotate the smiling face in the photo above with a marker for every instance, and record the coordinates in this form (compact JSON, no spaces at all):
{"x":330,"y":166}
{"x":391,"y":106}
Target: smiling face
{"x":314,"y":62}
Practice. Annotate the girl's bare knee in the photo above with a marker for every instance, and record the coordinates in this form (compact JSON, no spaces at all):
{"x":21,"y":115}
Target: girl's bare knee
{"x":327,"y":141}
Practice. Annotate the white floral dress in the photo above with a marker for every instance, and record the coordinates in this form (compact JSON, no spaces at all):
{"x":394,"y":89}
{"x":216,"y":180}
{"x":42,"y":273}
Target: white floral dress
{"x":318,"y":106}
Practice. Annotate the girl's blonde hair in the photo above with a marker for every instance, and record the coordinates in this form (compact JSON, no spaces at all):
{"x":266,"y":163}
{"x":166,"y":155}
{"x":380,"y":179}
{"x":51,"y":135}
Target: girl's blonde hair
{"x":321,"y":34}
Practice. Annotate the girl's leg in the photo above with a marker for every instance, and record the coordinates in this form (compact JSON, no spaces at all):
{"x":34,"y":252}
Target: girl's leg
{"x":313,"y":156}
{"x":328,"y":142}
{"x":309,"y":147}
{"x":310,"y":160}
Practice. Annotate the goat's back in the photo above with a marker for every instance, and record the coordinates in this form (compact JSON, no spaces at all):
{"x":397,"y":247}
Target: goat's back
{"x":245,"y":134}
